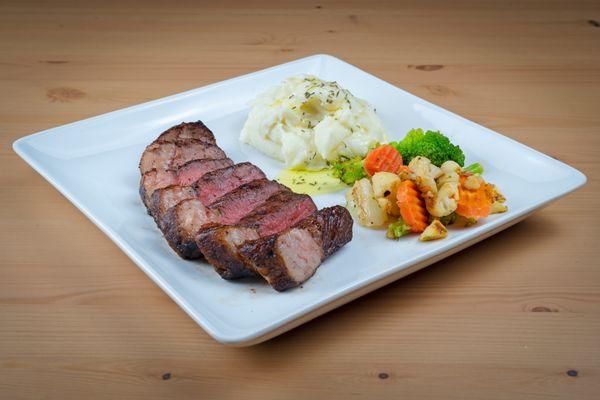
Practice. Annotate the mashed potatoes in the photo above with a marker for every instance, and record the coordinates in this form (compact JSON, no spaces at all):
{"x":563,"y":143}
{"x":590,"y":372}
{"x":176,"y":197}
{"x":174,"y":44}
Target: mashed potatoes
{"x":307,"y":123}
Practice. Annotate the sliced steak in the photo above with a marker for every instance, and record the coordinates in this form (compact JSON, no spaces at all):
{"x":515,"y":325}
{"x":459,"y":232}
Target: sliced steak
{"x":155,"y":179}
{"x":171,"y":155}
{"x":185,"y":175}
{"x":188,"y":130}
{"x":192,"y":149}
{"x":208,"y":188}
{"x":193,"y":170}
{"x":182,"y":222}
{"x":217,"y":183}
{"x":219,"y":245}
{"x":158,"y":155}
{"x":291,"y":257}
{"x":164,"y":199}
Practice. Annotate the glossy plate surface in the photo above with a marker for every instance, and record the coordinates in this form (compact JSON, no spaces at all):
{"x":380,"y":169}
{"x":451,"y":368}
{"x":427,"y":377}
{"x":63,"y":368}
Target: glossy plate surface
{"x":94,"y":163}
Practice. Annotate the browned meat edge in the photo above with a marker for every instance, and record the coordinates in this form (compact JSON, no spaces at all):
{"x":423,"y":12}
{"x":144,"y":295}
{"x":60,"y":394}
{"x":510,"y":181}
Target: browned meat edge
{"x":331,"y":228}
{"x":219,"y":244}
{"x":168,"y":155}
{"x":228,"y":209}
{"x":188,"y":130}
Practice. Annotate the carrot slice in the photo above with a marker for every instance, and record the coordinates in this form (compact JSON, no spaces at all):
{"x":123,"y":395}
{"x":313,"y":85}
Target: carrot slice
{"x":412,"y":206}
{"x":383,"y":159}
{"x":473,"y":203}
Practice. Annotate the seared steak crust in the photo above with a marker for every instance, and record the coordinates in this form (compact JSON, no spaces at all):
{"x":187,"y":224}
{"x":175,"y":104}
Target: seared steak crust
{"x":188,"y":130}
{"x":189,"y":172}
{"x":219,"y":245}
{"x":239,"y":202}
{"x":280,"y":211}
{"x":182,"y":222}
{"x":244,"y":224}
{"x":171,"y":155}
{"x":208,"y":188}
{"x":216,"y":184}
{"x":152,"y":180}
{"x":165,"y":198}
{"x":291,"y":257}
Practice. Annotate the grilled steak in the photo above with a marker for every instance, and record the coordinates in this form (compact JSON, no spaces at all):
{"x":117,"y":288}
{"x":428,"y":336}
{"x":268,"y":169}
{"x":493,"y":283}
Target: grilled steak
{"x":219,"y":245}
{"x":155,"y":179}
{"x":187,"y":130}
{"x":217,"y":183}
{"x":182,"y":222}
{"x":171,"y":155}
{"x":164,"y":199}
{"x":291,"y":257}
{"x":158,"y":155}
{"x":185,"y":175}
{"x":241,"y":222}
{"x":191,"y":149}
{"x":208,"y":188}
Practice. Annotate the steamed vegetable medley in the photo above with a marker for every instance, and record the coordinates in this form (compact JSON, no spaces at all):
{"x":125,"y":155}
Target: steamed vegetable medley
{"x":418,"y":185}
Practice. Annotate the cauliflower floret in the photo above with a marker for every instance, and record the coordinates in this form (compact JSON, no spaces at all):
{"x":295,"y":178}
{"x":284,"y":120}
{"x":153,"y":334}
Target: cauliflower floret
{"x":473,"y":182}
{"x":425,"y":173}
{"x":445,"y":201}
{"x":385,"y":186}
{"x":450,"y":166}
{"x":362,"y":203}
{"x":441,"y":196}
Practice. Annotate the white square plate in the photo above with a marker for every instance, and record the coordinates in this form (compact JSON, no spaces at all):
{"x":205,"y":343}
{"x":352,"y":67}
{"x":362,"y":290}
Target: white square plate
{"x":94,"y":163}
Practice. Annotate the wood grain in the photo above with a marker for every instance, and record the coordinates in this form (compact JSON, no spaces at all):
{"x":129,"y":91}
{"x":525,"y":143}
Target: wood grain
{"x":516,"y":316}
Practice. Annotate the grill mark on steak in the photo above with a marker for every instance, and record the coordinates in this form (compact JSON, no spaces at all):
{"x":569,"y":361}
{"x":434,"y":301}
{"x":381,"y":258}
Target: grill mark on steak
{"x":196,"y":150}
{"x":182,"y":222}
{"x":242,"y":222}
{"x":241,"y":201}
{"x":185,"y":175}
{"x":158,"y":155}
{"x":195,"y":169}
{"x":289,"y":258}
{"x":152,"y":180}
{"x":208,"y":188}
{"x":216,"y":184}
{"x":171,"y":155}
{"x":188,"y":130}
{"x":164,"y":199}
{"x":219,"y":245}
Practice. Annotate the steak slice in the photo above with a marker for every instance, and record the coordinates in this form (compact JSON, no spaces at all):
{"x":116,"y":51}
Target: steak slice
{"x":171,"y":155}
{"x":193,"y":170}
{"x":192,"y":149}
{"x":188,"y":130}
{"x":208,"y":188}
{"x":219,"y":244}
{"x":155,"y":179}
{"x":217,"y":183}
{"x":185,"y":175}
{"x":157,"y":155}
{"x":291,"y":257}
{"x":164,"y":199}
{"x":182,"y":222}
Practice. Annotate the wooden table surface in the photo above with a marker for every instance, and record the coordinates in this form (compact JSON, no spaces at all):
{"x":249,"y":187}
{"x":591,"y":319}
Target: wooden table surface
{"x":516,"y":316}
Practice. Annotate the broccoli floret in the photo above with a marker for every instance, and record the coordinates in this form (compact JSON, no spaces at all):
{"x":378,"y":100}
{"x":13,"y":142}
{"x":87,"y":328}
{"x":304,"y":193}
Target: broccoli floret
{"x":433,"y":145}
{"x":398,"y":229}
{"x":349,"y":170}
{"x":474,"y":168}
{"x":448,"y":219}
